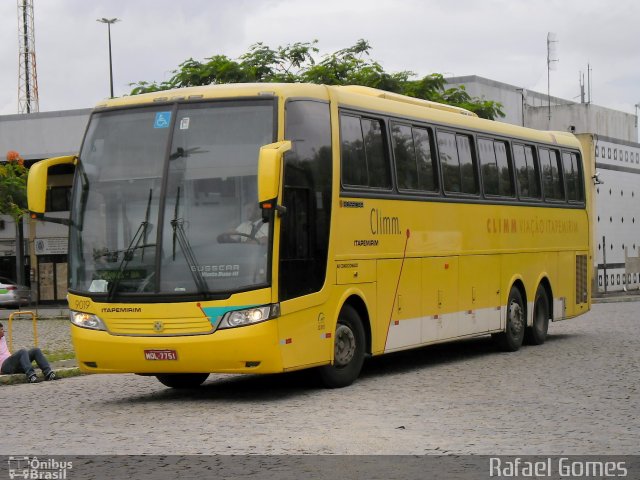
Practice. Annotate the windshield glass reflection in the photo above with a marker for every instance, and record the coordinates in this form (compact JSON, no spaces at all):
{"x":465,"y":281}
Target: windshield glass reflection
{"x":195,"y":229}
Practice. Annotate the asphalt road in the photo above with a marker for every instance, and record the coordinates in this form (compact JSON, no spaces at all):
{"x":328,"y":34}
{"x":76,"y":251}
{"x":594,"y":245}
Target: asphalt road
{"x":576,"y":394}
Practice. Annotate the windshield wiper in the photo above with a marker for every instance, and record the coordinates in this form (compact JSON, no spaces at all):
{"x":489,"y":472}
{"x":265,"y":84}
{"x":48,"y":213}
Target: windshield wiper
{"x":178,"y":233}
{"x":134,"y":244}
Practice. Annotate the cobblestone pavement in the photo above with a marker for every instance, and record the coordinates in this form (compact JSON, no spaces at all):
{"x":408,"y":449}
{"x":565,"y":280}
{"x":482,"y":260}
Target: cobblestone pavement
{"x":576,"y":394}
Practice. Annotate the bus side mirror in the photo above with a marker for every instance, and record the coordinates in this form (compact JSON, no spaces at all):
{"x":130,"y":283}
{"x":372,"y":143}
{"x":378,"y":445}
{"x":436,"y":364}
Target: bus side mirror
{"x":270,"y":170}
{"x":37,"y":182}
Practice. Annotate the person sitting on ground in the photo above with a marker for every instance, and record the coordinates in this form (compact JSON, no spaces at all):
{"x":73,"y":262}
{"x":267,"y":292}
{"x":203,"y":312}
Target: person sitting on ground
{"x":21,"y":361}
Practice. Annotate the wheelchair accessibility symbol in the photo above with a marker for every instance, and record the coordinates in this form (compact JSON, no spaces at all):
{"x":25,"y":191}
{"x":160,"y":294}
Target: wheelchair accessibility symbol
{"x":163,"y":119}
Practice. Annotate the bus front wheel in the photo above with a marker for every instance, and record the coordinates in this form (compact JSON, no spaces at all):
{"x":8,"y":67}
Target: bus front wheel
{"x":511,"y":339}
{"x":536,"y":334}
{"x":349,"y":350}
{"x":182,"y":380}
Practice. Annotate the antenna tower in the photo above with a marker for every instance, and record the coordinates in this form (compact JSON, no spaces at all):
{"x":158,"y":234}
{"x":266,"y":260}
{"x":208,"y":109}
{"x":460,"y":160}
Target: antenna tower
{"x":551,"y":65}
{"x":27,"y":76}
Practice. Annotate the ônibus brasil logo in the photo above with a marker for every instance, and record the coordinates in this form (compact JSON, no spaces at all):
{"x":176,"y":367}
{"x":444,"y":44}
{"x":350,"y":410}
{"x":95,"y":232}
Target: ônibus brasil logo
{"x":37,"y":469}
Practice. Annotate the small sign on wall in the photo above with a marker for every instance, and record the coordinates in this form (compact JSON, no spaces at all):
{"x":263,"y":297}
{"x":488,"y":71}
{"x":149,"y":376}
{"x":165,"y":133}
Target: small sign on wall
{"x":51,"y":246}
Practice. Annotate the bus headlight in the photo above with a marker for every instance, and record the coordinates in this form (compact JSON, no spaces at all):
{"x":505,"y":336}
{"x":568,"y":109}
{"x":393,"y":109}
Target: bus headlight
{"x":86,"y":320}
{"x":250,"y":316}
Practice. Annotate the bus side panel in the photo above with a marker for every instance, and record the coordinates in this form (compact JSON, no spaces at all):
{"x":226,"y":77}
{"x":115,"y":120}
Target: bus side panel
{"x":399,"y":307}
{"x":305,"y":336}
{"x":479,"y":293}
{"x":574,"y":283}
{"x":440,"y":298}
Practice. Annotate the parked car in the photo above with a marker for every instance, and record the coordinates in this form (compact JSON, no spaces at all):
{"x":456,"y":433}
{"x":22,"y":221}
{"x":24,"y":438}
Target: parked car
{"x":12,"y":294}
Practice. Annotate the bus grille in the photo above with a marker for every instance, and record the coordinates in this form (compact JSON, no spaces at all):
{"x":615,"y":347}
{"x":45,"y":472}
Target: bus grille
{"x":581,"y":279}
{"x":159,"y":326}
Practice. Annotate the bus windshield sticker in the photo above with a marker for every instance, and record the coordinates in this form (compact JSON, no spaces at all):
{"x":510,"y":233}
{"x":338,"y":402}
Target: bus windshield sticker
{"x":163,"y":119}
{"x":184,"y":123}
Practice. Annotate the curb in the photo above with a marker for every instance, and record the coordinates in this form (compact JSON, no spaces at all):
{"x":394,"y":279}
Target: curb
{"x":616,"y":299}
{"x":17,"y":378}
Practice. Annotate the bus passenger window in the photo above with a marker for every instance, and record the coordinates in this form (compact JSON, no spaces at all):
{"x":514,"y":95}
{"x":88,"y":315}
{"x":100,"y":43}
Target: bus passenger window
{"x":458,"y":165}
{"x":449,"y":162}
{"x":414,"y":162}
{"x":354,"y":163}
{"x":488,"y":167}
{"x":573,"y":177}
{"x":364,"y":159}
{"x":496,"y":168}
{"x":427,"y":179}
{"x":526,"y":171}
{"x":467,"y":165}
{"x":551,"y":180}
{"x":377,"y":161}
{"x":505,"y":179}
{"x":405,"y":155}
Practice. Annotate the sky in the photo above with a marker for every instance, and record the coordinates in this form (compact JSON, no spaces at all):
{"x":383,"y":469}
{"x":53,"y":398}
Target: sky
{"x":503,"y":40}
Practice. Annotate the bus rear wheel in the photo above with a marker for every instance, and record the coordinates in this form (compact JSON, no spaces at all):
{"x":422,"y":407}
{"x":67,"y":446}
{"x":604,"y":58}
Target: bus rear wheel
{"x":182,"y":380}
{"x":536,"y":334}
{"x":349,"y":350}
{"x":511,"y":339}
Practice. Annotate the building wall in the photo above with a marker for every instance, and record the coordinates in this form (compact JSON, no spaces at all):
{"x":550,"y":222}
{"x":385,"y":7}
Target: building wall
{"x":617,"y":218}
{"x":37,"y":136}
{"x":583,"y":117}
{"x":516,"y":101}
{"x":42,"y":135}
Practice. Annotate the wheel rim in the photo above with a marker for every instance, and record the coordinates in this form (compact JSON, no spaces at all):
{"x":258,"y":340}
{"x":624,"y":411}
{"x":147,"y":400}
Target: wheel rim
{"x":345,"y":346}
{"x":516,"y":319}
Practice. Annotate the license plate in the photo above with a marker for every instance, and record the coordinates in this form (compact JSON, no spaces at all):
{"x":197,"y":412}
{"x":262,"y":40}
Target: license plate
{"x":160,"y":355}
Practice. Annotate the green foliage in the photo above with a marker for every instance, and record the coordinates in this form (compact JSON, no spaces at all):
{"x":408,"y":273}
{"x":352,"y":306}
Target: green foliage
{"x":13,"y":186}
{"x":296,"y":63}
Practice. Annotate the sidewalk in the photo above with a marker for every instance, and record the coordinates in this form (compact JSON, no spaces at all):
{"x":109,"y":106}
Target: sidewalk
{"x":42,"y":312}
{"x":612,"y":297}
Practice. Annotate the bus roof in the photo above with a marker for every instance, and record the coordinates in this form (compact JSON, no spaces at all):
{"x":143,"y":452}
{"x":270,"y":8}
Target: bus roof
{"x":354,"y":96}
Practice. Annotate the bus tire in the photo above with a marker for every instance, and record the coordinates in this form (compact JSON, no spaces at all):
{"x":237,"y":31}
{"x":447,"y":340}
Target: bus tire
{"x":182,"y":380}
{"x":511,"y":339}
{"x":536,"y":334}
{"x":349,"y":351}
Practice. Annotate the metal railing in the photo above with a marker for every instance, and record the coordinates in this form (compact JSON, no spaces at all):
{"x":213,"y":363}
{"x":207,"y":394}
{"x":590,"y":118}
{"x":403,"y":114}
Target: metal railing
{"x":34,"y":319}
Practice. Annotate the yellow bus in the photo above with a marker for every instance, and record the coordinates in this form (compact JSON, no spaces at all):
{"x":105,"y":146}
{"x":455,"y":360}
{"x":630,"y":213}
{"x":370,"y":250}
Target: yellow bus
{"x":262,"y":228}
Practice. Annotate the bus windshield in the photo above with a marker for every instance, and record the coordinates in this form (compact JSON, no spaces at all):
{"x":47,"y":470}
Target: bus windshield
{"x":165,"y":201}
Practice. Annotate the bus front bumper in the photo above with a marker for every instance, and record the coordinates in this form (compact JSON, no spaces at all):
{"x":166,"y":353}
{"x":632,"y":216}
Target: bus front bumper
{"x":250,"y":349}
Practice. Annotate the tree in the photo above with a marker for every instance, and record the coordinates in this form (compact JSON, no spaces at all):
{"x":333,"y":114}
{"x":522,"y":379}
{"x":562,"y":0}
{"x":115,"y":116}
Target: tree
{"x":13,"y":201}
{"x":13,"y":186}
{"x":297,"y":63}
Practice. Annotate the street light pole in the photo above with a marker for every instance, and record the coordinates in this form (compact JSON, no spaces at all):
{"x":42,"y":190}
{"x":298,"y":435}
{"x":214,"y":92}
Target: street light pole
{"x":109,"y":22}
